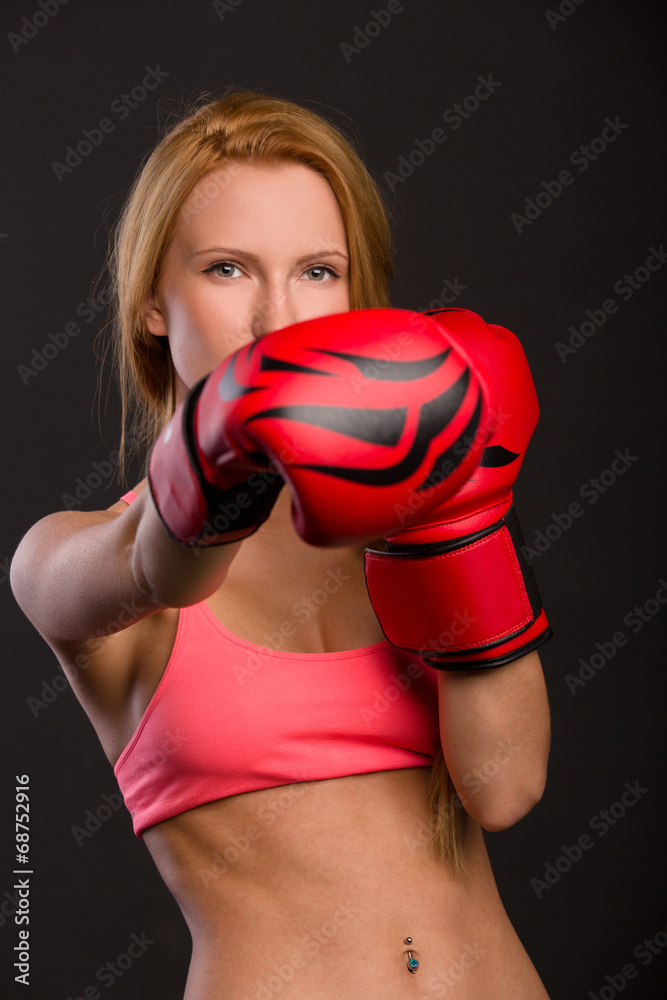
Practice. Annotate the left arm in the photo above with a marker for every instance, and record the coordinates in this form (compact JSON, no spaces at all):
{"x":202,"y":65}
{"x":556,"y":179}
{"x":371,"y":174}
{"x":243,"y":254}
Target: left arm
{"x":495,"y":734}
{"x":460,"y":564}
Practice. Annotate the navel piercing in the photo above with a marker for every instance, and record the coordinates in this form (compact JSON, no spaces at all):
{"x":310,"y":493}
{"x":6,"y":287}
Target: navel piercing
{"x":413,"y":964}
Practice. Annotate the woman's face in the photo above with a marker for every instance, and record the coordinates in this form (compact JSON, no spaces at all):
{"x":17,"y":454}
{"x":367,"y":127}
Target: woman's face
{"x":256,"y":248}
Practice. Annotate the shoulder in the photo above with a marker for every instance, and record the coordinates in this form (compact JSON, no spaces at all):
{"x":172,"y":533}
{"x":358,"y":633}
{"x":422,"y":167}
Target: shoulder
{"x":44,"y":577}
{"x":127,"y":498}
{"x":114,"y":675}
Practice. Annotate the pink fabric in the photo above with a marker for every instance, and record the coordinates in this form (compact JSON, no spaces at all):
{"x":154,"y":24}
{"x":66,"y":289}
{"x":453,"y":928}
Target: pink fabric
{"x":229,"y":716}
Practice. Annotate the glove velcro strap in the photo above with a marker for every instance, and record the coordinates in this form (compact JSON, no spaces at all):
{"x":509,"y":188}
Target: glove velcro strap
{"x":467,"y":602}
{"x":193,"y":511}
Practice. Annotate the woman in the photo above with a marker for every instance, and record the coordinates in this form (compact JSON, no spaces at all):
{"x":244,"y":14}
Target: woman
{"x":354,"y":868}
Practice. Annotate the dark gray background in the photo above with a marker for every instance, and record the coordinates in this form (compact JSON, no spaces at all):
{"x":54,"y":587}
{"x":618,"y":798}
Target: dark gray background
{"x":452,"y":221}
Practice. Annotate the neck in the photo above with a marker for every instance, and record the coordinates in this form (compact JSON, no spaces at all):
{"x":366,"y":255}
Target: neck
{"x":280,"y":547}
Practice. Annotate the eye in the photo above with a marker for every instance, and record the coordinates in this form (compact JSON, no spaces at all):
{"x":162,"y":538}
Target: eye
{"x":320,"y":273}
{"x":223,"y":269}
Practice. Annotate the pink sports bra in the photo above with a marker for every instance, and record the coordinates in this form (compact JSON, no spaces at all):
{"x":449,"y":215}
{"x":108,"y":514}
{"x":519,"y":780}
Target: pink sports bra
{"x":229,"y":716}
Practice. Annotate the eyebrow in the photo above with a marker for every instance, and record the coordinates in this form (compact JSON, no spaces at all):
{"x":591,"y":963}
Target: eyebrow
{"x":232,"y":252}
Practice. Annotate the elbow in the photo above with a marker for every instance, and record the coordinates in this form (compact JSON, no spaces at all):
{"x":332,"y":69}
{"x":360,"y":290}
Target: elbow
{"x":502,"y":817}
{"x":507,"y":808}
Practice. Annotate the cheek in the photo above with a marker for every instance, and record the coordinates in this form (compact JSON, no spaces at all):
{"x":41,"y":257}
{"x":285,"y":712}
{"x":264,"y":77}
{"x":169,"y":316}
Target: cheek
{"x":334,"y":300}
{"x":196,"y":344}
{"x":198,"y":349}
{"x":340,"y":298}
{"x":191,"y":359}
{"x":190,"y":310}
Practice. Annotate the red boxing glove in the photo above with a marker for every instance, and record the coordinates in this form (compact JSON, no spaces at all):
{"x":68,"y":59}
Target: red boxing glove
{"x":355,"y":411}
{"x":455,"y":587}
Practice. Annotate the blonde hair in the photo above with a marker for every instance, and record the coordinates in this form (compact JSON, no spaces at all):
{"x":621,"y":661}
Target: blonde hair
{"x":241,"y":127}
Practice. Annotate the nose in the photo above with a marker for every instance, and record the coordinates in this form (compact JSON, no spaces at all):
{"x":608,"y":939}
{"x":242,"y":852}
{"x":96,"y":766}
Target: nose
{"x":273,"y":309}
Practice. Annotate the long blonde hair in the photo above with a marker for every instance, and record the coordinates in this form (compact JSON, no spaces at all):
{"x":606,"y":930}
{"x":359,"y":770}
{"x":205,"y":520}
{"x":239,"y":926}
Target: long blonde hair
{"x":241,"y":127}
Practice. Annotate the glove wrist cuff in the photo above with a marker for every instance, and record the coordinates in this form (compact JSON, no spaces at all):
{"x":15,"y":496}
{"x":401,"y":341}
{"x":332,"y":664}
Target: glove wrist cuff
{"x":193,"y":510}
{"x":460,"y":603}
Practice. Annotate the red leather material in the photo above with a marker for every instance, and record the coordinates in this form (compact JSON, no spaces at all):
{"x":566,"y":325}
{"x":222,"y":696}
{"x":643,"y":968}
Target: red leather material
{"x":174,"y":485}
{"x":453,"y":584}
{"x":357,"y":412}
{"x":177,"y":489}
{"x":531,"y":638}
{"x":475,"y":596}
{"x":510,"y":421}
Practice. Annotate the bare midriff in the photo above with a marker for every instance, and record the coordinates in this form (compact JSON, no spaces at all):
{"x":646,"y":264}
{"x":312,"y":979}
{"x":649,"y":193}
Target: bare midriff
{"x":308,"y":891}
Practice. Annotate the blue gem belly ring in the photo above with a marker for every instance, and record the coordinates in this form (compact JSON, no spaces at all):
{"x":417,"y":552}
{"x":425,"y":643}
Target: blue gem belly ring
{"x":413,"y":964}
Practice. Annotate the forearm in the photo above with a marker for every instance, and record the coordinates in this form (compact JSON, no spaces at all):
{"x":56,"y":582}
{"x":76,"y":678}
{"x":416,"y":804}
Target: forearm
{"x":83,"y":574}
{"x":495,"y":733}
{"x":167,"y":572}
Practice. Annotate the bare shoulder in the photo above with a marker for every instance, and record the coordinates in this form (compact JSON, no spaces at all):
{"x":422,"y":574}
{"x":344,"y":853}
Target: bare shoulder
{"x":122,"y":505}
{"x":47,"y":573}
{"x":114,"y":670}
{"x":44,"y":536}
